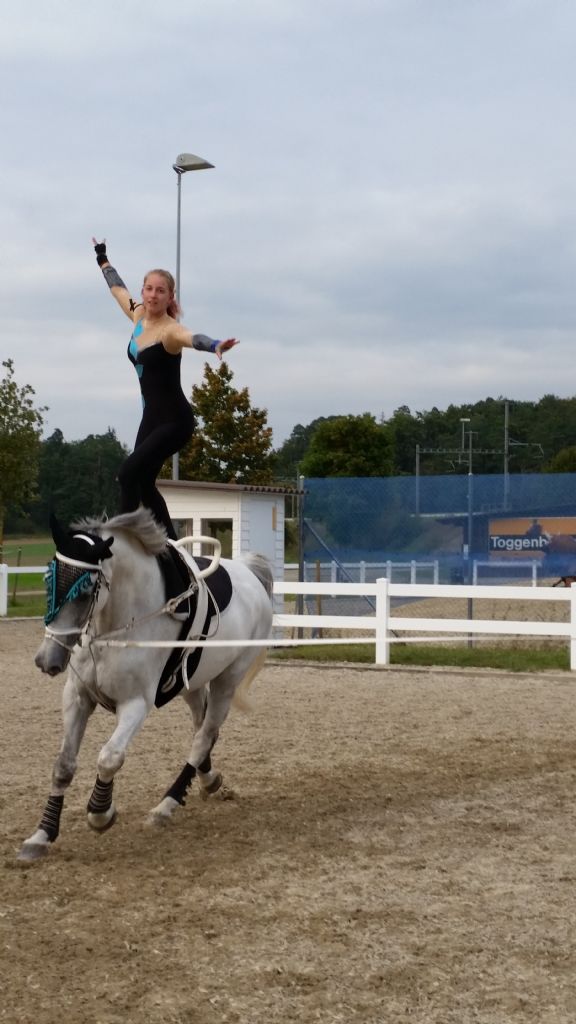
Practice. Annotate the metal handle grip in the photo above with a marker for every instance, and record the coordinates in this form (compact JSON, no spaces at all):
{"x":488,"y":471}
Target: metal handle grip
{"x":190,"y":540}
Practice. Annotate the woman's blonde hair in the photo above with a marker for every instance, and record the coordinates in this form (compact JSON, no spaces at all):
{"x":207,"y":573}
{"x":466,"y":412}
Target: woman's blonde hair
{"x":173,"y":309}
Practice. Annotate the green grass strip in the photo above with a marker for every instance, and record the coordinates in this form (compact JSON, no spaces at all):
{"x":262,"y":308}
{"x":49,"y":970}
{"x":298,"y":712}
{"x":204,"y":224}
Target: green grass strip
{"x":512,"y":659}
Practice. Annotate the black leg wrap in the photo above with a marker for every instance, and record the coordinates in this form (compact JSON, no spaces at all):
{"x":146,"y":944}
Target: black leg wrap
{"x":51,"y":817}
{"x":206,"y":765}
{"x":179,"y":788}
{"x":101,"y":798}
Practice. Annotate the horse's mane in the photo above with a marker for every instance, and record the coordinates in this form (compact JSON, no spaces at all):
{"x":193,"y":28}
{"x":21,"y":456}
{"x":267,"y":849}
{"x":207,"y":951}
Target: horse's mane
{"x":139,"y":524}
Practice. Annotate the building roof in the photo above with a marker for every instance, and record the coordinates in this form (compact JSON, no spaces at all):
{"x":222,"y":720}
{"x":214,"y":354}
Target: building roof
{"x":204,"y":485}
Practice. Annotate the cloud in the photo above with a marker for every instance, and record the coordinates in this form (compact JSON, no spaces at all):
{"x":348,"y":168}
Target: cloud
{"x":390,"y":219}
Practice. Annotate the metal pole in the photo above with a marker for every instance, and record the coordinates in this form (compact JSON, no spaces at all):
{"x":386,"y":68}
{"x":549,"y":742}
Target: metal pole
{"x":178,"y":224}
{"x":417,"y":509}
{"x":506,"y":458}
{"x":470,"y":506}
{"x":470,"y":503}
{"x":175,"y":457}
{"x":300,"y":597}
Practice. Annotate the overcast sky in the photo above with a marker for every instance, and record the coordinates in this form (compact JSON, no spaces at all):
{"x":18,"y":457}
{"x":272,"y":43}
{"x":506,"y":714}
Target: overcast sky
{"x":391,"y":219}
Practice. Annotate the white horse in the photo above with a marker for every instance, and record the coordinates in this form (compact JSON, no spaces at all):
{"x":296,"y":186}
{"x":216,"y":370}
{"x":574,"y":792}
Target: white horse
{"x":96,"y":594}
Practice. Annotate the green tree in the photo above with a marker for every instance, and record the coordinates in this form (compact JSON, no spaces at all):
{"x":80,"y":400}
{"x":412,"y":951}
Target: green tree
{"x":533,"y":432}
{"x":291,"y":453}
{"x":405,"y":433}
{"x":79,"y":478}
{"x":76,"y":478}
{"x":348,"y":446}
{"x":563,"y":462}
{"x":232,"y":442}
{"x":20,"y":431}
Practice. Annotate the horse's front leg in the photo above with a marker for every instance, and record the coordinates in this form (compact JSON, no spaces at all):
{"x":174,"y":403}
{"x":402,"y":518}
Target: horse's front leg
{"x":76,"y":710}
{"x":130,"y":718}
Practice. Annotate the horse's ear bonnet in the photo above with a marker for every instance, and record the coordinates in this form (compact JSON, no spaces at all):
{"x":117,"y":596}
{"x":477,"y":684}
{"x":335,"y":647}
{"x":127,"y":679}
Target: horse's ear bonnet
{"x":80,"y":546}
{"x":73,"y":572}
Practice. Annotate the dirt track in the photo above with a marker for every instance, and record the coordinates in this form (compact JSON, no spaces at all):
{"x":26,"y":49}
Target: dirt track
{"x":400,"y":848}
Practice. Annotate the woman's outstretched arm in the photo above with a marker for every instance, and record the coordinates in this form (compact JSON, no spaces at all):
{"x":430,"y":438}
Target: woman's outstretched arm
{"x":180,"y":337}
{"x":114,"y":281}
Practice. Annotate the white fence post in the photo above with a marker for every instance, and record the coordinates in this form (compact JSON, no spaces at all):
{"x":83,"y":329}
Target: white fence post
{"x":3,"y":588}
{"x":382,"y":617}
{"x":573,"y":625}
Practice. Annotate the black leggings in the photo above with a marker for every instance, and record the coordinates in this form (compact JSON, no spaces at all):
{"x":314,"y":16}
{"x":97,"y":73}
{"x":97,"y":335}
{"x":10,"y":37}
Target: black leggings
{"x":137,"y":475}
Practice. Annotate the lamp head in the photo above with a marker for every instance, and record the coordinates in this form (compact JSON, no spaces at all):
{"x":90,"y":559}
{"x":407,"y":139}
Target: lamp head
{"x":190,"y":162}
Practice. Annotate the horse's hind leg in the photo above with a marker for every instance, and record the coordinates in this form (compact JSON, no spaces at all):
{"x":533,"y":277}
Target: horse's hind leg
{"x":76,"y":710}
{"x":209,"y":780}
{"x":176,"y":796}
{"x":209,"y":714}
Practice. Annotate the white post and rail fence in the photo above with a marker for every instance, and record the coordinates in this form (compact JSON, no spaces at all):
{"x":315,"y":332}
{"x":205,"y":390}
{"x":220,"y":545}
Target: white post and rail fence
{"x":382,"y":626}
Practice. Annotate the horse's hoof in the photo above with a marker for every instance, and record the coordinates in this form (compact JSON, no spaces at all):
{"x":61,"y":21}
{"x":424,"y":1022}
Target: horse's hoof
{"x":30,"y":852}
{"x":226,"y":793}
{"x":157,"y":820}
{"x":212,"y":787}
{"x":102,"y":822}
{"x":161,"y":814}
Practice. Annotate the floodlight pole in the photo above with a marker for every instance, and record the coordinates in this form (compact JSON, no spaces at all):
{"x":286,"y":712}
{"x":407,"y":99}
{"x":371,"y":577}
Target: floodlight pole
{"x":185,"y":162}
{"x":179,"y":174}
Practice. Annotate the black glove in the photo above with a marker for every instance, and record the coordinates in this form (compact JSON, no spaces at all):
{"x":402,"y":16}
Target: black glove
{"x":100,"y":250}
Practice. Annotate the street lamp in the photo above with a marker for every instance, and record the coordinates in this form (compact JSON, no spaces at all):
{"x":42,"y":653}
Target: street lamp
{"x":185,"y":162}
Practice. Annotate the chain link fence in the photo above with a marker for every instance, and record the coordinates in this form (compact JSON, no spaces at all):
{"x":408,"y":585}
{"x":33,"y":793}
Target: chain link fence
{"x":485,"y":529}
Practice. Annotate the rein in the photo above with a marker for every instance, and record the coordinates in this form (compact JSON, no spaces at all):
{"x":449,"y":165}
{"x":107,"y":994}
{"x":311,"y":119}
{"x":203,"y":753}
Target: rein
{"x":166,"y":609}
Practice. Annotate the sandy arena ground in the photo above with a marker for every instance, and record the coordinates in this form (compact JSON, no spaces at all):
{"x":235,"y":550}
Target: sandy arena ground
{"x":400,"y":848}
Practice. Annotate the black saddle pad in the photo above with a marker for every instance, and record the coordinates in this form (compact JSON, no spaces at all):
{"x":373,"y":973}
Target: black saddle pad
{"x":219,"y":583}
{"x":176,"y":580}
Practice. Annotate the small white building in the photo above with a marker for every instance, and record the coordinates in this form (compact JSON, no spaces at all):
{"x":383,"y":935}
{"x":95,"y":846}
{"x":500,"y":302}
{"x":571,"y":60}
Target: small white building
{"x":244,"y":517}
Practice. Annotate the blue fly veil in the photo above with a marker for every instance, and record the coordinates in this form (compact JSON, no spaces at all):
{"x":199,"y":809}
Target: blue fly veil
{"x":76,"y":568}
{"x":66,"y":579}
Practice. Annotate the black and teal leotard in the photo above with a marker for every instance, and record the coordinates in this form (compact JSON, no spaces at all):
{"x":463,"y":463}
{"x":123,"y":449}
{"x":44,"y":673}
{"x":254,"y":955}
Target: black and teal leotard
{"x":167,"y":424}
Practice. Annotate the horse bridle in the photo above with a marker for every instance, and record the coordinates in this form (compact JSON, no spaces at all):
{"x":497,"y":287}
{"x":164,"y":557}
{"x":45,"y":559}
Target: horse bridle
{"x":79,"y":586}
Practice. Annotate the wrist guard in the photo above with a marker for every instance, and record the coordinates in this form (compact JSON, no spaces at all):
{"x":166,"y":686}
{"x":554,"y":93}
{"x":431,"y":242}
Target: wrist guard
{"x":112,"y":277}
{"x":203,"y":343}
{"x":100,"y":250}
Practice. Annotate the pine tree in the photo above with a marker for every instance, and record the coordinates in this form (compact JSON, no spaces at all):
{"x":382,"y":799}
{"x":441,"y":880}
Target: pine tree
{"x":232,"y":442}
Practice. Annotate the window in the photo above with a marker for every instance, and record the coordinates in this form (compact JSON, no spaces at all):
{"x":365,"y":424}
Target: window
{"x":221,"y":529}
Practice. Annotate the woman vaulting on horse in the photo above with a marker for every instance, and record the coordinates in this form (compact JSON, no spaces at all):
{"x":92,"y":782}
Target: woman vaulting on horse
{"x":155,"y":349}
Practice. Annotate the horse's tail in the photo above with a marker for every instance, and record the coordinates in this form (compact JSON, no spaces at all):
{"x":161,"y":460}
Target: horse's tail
{"x":241,"y":700}
{"x":262,"y":569}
